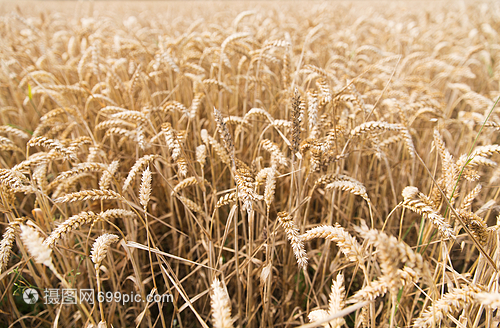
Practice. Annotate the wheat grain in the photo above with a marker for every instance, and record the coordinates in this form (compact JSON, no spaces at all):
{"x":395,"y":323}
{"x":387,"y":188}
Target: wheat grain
{"x":226,"y":199}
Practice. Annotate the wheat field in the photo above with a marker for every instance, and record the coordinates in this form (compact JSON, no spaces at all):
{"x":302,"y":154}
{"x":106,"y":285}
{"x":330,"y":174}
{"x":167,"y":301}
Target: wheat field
{"x":249,"y":164}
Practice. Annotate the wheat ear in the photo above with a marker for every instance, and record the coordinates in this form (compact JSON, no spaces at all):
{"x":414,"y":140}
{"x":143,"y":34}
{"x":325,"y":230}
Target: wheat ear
{"x":191,"y":181}
{"x":347,"y":243}
{"x":489,"y":299}
{"x":221,"y":306}
{"x":277,"y":155}
{"x":337,"y":299}
{"x":469,"y":198}
{"x":107,"y":175}
{"x":8,"y":238}
{"x":72,"y":223}
{"x":448,"y":303}
{"x":139,"y":165}
{"x":80,"y":168}
{"x":98,"y":253}
{"x":145,"y":188}
{"x":226,"y":199}
{"x":292,"y":233}
{"x":296,"y":120}
{"x":93,"y":194}
{"x":416,"y":201}
{"x":201,"y":154}
{"x":221,"y":152}
{"x":40,"y":252}
{"x":335,"y":304}
{"x":51,"y":144}
{"x":100,"y":248}
{"x":224,"y":132}
{"x":352,"y":187}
